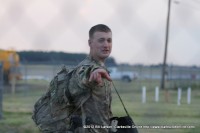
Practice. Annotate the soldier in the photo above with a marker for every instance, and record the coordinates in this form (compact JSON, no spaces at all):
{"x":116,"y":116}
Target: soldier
{"x":90,"y":85}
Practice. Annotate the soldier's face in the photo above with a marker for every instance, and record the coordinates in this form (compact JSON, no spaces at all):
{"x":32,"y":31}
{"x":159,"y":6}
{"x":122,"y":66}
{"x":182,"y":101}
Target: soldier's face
{"x":100,"y":45}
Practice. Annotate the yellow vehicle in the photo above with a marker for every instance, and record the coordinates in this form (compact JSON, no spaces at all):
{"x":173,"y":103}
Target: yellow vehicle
{"x":11,"y":63}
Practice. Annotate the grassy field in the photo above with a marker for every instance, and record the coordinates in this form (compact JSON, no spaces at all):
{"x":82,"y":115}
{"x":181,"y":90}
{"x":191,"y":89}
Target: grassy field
{"x":17,"y":108}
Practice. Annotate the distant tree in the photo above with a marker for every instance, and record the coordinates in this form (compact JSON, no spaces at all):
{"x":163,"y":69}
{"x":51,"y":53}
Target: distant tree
{"x":52,"y":57}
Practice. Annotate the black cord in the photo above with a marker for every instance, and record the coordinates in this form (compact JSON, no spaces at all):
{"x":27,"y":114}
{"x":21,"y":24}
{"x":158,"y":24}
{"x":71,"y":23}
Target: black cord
{"x":120,"y":99}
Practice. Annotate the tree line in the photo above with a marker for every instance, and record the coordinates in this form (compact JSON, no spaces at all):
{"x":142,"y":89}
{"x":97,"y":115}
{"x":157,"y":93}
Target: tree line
{"x":52,"y":57}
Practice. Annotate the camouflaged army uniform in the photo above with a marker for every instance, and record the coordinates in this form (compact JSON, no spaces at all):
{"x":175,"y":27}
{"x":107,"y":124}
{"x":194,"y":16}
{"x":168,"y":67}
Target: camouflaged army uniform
{"x":95,"y":99}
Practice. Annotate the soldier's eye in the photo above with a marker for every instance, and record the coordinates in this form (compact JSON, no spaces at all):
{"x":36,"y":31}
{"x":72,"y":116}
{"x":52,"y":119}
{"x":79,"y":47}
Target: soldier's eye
{"x":101,"y":40}
{"x":109,"y":40}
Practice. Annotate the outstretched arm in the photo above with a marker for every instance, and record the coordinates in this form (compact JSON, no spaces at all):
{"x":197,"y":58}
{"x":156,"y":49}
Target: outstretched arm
{"x":98,"y":74}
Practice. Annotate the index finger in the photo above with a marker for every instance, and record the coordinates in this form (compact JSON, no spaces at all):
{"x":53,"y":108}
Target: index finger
{"x":105,"y":75}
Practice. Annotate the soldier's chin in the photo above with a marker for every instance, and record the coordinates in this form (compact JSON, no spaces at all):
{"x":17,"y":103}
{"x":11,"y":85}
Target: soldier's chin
{"x":105,"y":55}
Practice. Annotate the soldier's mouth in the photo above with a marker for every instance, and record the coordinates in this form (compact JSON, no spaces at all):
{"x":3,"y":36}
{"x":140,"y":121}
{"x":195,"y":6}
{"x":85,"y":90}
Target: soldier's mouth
{"x":105,"y":51}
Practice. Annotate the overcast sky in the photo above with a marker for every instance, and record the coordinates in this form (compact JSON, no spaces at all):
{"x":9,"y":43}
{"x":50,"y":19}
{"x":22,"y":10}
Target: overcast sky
{"x":138,"y":27}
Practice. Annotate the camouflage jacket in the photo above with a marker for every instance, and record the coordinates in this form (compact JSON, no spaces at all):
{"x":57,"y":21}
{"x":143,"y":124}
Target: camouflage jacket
{"x":97,"y":106}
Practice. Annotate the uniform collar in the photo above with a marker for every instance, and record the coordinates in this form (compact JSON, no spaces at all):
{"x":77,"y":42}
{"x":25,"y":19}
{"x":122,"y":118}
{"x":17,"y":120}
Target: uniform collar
{"x":96,"y":61}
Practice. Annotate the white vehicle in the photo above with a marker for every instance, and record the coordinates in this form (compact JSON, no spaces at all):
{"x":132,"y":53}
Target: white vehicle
{"x":127,"y":76}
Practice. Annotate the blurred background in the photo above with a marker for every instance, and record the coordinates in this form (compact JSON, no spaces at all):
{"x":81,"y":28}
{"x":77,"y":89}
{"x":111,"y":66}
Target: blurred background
{"x":38,"y":37}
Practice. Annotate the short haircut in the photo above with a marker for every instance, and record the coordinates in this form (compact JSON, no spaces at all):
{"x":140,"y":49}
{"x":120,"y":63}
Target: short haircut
{"x":100,"y":28}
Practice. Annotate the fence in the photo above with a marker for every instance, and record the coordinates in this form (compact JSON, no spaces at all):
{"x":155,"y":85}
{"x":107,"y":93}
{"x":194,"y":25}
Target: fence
{"x":149,"y":76}
{"x":157,"y":94}
{"x":176,"y":76}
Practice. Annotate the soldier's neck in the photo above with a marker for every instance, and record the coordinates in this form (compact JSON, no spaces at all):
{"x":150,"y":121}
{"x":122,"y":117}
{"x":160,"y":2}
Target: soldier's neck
{"x":99,"y":61}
